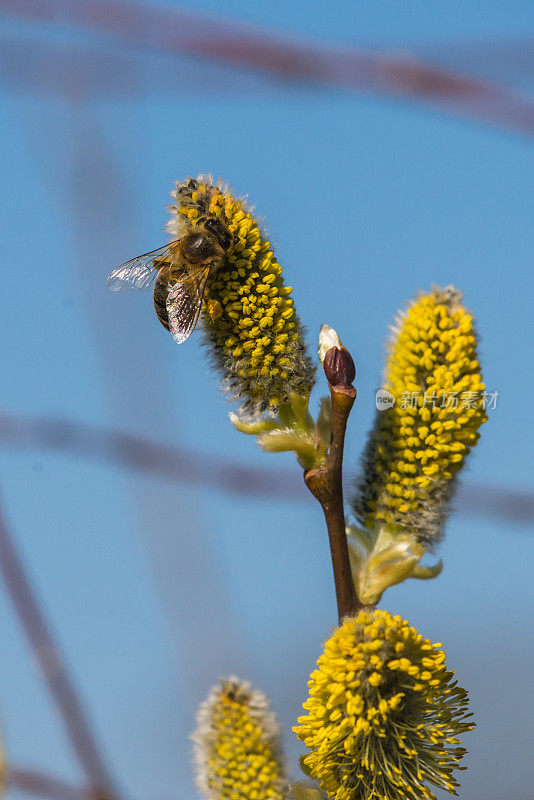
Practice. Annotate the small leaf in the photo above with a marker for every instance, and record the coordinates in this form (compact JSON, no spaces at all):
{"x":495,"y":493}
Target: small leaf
{"x":299,"y":405}
{"x":284,"y":440}
{"x":425,"y":573}
{"x":253,"y":427}
{"x":305,"y":791}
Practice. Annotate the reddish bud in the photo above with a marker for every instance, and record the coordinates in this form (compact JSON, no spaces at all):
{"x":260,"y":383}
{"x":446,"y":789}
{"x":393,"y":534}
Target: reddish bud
{"x":339,"y":367}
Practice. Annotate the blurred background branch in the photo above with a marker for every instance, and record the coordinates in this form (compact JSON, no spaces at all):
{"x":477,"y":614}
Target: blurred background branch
{"x":209,"y":470}
{"x":42,"y":784}
{"x":405,"y":74}
{"x":55,"y":674}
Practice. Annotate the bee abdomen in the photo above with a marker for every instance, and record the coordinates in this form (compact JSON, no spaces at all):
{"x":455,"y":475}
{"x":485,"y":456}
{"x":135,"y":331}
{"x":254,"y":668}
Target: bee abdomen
{"x":161,"y":290}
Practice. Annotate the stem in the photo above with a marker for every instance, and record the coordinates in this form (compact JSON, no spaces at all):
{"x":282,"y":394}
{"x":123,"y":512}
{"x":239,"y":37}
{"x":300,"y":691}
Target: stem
{"x":325,"y":483}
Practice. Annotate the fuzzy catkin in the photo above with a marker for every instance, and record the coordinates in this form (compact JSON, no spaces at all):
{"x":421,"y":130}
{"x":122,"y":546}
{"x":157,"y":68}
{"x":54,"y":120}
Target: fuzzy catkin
{"x":415,"y":449}
{"x":383,"y":714}
{"x":237,"y":745}
{"x":256,"y":341}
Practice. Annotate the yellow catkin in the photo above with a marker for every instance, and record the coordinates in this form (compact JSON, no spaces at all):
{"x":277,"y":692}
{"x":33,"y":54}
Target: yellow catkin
{"x":383,"y":714}
{"x":255,"y":337}
{"x":417,"y":447}
{"x":237,"y":746}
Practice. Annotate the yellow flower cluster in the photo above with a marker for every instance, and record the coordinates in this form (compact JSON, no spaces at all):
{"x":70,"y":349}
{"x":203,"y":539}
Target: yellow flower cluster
{"x":384,"y":713}
{"x":237,"y":750}
{"x":250,"y":319}
{"x":417,"y":446}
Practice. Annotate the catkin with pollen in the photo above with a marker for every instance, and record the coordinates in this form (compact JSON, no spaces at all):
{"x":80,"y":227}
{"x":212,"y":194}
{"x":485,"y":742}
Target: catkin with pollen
{"x":251,"y":328}
{"x":417,"y":447}
{"x":384,"y":713}
{"x":237,"y":745}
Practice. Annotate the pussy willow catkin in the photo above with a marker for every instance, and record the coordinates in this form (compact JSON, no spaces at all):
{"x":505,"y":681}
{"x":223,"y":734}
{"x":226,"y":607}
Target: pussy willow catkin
{"x":383,"y":714}
{"x":237,"y":745}
{"x":251,"y":328}
{"x":417,"y":447}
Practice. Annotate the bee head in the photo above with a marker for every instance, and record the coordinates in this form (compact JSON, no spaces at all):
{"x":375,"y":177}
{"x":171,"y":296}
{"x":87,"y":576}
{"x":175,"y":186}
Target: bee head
{"x":215,"y":227}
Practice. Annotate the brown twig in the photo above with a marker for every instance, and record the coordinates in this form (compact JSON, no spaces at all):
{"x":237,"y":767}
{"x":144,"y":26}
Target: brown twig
{"x":391,"y":72}
{"x":325,"y":483}
{"x":52,"y":668}
{"x":169,"y":462}
{"x":41,"y":784}
{"x":173,"y":463}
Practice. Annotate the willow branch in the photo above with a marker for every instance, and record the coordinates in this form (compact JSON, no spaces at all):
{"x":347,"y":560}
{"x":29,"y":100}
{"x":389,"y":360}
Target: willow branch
{"x":326,"y":485}
{"x":53,"y":670}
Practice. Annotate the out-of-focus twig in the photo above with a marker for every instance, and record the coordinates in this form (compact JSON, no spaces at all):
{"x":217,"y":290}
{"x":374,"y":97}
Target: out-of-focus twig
{"x":41,"y":784}
{"x":179,"y":464}
{"x":169,"y":462}
{"x":397,"y":73}
{"x":53,"y":669}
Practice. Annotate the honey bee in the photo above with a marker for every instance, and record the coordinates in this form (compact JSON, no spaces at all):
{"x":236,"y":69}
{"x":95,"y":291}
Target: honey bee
{"x":181,"y":270}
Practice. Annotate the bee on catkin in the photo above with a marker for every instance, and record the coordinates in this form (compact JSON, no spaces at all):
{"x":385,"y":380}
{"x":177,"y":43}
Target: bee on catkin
{"x":219,"y":267}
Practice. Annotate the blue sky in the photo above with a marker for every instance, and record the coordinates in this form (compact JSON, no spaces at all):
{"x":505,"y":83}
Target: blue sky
{"x":154,"y":589}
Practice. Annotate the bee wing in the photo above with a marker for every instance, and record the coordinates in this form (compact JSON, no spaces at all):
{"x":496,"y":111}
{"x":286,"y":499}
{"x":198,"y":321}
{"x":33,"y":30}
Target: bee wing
{"x":184,"y":302}
{"x":140,"y":272}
